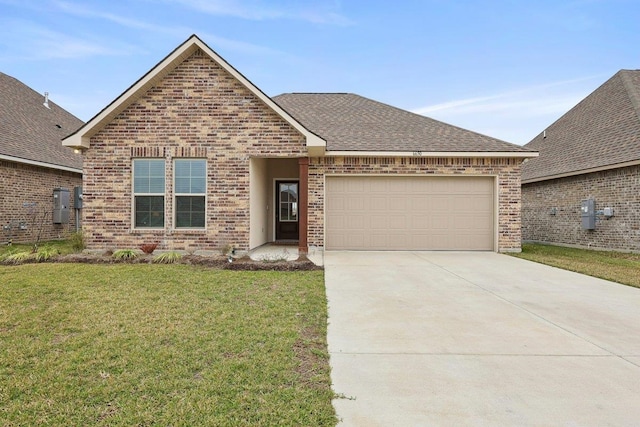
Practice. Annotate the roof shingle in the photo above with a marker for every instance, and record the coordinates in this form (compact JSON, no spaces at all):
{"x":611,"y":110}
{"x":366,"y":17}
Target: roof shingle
{"x":602,"y":130}
{"x":350,"y":122}
{"x":31,"y":131}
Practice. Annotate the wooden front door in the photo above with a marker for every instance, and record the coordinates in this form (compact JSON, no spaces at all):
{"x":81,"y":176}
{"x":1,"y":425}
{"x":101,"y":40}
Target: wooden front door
{"x":286,"y":210}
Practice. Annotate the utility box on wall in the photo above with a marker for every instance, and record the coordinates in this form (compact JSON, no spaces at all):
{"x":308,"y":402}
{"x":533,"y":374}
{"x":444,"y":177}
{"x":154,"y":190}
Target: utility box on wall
{"x":588,"y":214}
{"x":77,"y":197}
{"x":60,"y":206}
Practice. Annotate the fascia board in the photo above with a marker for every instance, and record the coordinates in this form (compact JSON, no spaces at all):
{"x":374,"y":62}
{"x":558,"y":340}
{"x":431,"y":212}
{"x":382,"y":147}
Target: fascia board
{"x":40,"y":164}
{"x":500,"y":154}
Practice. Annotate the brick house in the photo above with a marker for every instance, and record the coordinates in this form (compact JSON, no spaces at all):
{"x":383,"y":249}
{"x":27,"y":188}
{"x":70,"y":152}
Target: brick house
{"x":33,"y":163}
{"x":195,"y":157}
{"x":590,"y":153}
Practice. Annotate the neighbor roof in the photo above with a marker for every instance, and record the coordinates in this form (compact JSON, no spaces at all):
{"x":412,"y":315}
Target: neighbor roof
{"x":31,"y":132}
{"x":352,"y":123}
{"x":601,"y":132}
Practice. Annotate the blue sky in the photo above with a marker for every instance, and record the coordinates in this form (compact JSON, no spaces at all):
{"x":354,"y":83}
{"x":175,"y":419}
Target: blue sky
{"x":503,"y":68}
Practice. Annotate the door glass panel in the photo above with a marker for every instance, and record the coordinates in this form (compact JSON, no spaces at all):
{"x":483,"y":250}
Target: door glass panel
{"x":288,"y":201}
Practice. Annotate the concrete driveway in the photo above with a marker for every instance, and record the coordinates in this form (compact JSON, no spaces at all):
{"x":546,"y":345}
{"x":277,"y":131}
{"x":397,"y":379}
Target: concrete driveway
{"x":479,"y":339}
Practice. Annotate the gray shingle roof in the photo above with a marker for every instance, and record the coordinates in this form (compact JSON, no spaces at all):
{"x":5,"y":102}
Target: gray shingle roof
{"x":30,"y":131}
{"x":351,"y":122}
{"x":602,"y":130}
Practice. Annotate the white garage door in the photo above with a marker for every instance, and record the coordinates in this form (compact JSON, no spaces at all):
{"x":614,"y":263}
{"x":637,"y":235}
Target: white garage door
{"x":409,"y":213}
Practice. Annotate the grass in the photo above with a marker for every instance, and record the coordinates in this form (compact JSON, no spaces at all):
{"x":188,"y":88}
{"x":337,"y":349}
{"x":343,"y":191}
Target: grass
{"x":615,"y":266}
{"x":177,"y":345}
{"x":64,"y":247}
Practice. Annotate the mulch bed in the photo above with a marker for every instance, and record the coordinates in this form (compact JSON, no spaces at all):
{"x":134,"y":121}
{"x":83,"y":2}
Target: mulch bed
{"x":218,"y":262}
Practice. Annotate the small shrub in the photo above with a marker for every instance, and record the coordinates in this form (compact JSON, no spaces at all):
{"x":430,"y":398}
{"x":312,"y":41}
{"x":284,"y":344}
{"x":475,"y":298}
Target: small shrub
{"x":19,"y":257}
{"x":9,"y":251}
{"x":279,"y":257}
{"x":46,"y":252}
{"x":77,"y":241}
{"x":125,"y":254}
{"x":167,"y":257}
{"x":227,"y":250}
{"x":148,"y":248}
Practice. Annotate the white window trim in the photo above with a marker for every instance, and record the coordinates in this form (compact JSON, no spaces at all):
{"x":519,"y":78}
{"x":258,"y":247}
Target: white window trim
{"x":176,"y":195}
{"x":134,"y":194}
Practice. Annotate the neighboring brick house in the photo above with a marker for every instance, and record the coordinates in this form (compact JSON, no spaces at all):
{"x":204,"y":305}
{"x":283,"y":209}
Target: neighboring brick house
{"x":591,"y":152}
{"x":195,"y":157}
{"x":33,"y":163}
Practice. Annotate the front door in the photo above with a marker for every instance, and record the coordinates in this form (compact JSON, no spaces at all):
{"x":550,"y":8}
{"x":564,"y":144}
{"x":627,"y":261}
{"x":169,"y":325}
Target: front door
{"x":286,"y":210}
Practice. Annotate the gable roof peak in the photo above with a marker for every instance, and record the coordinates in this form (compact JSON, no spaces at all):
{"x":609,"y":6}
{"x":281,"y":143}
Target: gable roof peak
{"x":81,"y":138}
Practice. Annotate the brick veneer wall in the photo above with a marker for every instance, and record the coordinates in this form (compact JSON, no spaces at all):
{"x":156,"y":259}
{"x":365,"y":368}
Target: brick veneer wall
{"x":28,"y":197}
{"x":507,"y":170}
{"x":617,"y":188}
{"x":198,"y":110}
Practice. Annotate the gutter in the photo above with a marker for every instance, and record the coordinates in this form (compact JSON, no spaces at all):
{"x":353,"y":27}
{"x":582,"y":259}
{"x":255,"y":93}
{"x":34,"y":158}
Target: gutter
{"x":41,"y":164}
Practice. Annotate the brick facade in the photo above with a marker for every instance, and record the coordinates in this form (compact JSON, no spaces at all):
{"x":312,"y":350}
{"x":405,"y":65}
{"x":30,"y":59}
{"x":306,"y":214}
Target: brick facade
{"x":31,"y":202}
{"x":507,"y":170}
{"x":616,"y":188}
{"x":198,"y":110}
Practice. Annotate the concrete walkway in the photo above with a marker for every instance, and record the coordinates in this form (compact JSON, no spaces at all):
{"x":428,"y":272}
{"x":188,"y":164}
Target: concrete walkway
{"x":479,"y":339}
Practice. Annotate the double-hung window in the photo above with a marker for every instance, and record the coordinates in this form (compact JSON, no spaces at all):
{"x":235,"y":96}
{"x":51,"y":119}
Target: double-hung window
{"x":148,"y":193}
{"x":190,"y":188}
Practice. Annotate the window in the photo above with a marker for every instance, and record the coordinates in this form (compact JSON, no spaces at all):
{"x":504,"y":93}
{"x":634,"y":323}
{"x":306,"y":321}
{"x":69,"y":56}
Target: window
{"x":148,"y":193}
{"x":190,"y":189}
{"x":288,"y":201}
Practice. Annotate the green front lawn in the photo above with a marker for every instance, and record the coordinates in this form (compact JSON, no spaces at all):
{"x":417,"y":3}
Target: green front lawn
{"x":615,"y":266}
{"x":162,"y":345}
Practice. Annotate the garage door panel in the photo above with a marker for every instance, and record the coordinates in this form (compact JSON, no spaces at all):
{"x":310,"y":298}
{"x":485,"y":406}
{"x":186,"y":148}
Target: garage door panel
{"x":397,"y":204}
{"x":420,"y":222}
{"x":410,"y":213}
{"x":378,"y":203}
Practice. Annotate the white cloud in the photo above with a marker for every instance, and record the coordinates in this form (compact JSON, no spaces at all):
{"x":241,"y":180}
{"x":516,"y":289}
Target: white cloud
{"x":37,"y":42}
{"x":515,"y":116}
{"x":84,"y":11}
{"x":179,"y":32}
{"x":319,"y":13}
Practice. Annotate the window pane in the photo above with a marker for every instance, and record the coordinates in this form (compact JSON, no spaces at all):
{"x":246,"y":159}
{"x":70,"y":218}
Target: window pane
{"x":198,"y":185}
{"x":183,"y":168}
{"x":190,"y":176}
{"x":197,"y":219}
{"x":183,"y":204}
{"x":149,"y":211}
{"x":182,"y":185}
{"x":198,"y":168}
{"x":197,"y":204}
{"x":156,"y":185}
{"x":157,"y":203}
{"x":156,"y":168}
{"x":143,"y":204}
{"x":148,"y":176}
{"x":141,"y":167}
{"x":182,"y":220}
{"x":190,"y":211}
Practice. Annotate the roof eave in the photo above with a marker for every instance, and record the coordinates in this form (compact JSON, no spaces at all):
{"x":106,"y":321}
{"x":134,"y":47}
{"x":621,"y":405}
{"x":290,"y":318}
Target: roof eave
{"x":40,"y":164}
{"x":499,"y":154}
{"x":77,"y":142}
{"x":581,"y":172}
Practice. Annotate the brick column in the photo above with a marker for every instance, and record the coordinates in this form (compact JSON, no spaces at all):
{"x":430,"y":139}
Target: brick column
{"x":303,"y":200}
